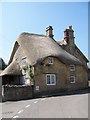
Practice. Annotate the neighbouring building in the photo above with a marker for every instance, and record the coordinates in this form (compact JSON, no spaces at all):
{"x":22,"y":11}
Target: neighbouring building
{"x":49,"y":66}
{"x":2,"y":67}
{"x":89,"y":74}
{"x":89,"y":77}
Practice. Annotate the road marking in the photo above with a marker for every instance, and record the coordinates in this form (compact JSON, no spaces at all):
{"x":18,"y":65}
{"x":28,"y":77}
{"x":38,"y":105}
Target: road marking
{"x":43,"y":99}
{"x":35,"y":101}
{"x":20,"y":111}
{"x":69,"y":116}
{"x":27,"y":106}
{"x":15,"y":117}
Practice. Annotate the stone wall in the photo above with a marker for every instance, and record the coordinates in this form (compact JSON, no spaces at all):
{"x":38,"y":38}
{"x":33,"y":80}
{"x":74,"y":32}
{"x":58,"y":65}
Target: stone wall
{"x":62,"y":72}
{"x":89,"y":74}
{"x":57,"y":68}
{"x":16,"y":92}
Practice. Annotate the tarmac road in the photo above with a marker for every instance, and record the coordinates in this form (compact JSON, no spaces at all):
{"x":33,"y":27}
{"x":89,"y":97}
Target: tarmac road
{"x":70,"y":106}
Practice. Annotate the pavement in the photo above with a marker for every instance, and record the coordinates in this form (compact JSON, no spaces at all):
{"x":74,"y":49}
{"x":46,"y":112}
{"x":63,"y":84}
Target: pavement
{"x":63,"y":106}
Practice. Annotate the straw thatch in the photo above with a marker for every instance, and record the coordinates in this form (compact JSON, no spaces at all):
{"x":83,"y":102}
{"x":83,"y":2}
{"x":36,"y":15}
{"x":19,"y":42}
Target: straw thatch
{"x":12,"y":69}
{"x":36,"y":48}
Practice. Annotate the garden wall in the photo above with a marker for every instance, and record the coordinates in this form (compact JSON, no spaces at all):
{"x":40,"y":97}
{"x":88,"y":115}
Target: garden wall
{"x":16,"y":92}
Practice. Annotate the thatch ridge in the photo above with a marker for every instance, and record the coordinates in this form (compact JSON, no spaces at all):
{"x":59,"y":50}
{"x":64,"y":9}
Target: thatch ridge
{"x":27,"y":33}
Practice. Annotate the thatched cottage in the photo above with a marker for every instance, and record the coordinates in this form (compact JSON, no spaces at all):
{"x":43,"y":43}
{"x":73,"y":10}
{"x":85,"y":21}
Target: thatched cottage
{"x":47,"y":65}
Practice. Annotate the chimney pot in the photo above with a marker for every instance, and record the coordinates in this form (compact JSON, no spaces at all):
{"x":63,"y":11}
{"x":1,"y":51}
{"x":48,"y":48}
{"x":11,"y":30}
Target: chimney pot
{"x":69,"y":27}
{"x":49,"y":31}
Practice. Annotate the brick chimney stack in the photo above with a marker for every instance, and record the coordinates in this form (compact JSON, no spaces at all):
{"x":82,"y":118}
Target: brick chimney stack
{"x":69,"y":38}
{"x":49,"y":31}
{"x":69,"y":34}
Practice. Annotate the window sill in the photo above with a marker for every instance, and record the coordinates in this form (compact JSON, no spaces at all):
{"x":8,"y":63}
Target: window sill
{"x":51,"y":84}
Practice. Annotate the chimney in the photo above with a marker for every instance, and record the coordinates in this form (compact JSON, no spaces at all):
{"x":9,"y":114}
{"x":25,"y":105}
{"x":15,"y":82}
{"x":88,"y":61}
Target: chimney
{"x":69,"y":27}
{"x":49,"y":31}
{"x":68,"y":33}
{"x":69,"y":38}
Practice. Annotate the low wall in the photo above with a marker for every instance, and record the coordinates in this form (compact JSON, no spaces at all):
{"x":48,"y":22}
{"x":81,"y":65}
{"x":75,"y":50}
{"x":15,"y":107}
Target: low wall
{"x":0,"y":89}
{"x":16,"y":92}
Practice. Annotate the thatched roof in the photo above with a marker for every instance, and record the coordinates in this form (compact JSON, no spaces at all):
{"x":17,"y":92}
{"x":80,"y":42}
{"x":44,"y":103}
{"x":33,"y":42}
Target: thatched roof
{"x":36,"y":48}
{"x":12,"y":69}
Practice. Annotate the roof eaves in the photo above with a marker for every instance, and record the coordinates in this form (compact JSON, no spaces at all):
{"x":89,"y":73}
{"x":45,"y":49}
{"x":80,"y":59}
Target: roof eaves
{"x":82,"y":53}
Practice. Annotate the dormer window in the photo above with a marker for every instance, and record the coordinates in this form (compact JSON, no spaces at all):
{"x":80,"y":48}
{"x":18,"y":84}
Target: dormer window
{"x":24,"y":61}
{"x":72,"y":67}
{"x":50,"y":60}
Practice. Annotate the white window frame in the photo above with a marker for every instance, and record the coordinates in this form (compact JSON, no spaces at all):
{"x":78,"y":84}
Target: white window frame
{"x":72,"y":67}
{"x":37,"y":88}
{"x":50,"y":60}
{"x":24,"y":60}
{"x":51,"y":79}
{"x":74,"y":79}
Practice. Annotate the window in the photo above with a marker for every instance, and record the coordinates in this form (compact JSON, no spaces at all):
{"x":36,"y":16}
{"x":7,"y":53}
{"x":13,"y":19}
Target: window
{"x":50,"y":60}
{"x":72,"y":79}
{"x":50,"y":79}
{"x":72,"y":67}
{"x":23,"y":79}
{"x":37,"y":88}
{"x":24,"y":61}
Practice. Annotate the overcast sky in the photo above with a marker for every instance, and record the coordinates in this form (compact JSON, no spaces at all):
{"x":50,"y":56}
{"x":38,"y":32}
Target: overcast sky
{"x":35,"y":17}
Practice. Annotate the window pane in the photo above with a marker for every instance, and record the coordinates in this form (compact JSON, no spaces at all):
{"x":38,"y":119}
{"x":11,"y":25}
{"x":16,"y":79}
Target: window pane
{"x":48,"y":79}
{"x":72,"y":79}
{"x":72,"y":67}
{"x":50,"y":60}
{"x":24,"y":61}
{"x":52,"y":79}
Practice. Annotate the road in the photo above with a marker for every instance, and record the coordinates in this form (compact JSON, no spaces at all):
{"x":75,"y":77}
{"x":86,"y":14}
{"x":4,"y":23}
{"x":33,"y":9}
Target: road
{"x":70,"y":106}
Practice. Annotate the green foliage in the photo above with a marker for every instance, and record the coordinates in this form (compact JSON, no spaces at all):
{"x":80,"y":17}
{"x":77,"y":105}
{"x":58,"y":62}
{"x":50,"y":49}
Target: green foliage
{"x":29,"y":71}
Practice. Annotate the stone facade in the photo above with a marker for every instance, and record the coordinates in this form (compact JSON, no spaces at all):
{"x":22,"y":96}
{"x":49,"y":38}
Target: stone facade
{"x":16,"y":92}
{"x":71,"y":47}
{"x":63,"y":73}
